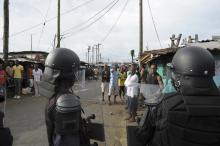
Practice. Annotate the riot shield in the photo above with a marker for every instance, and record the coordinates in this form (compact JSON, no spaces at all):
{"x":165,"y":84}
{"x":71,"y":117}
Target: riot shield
{"x":96,"y":131}
{"x":84,"y":88}
{"x":154,"y":95}
{"x":217,"y":74}
{"x":80,"y":81}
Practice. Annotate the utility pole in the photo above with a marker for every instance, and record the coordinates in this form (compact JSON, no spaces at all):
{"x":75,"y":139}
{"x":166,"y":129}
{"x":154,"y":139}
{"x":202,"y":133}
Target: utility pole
{"x":141,"y":31}
{"x":132,"y":56}
{"x":31,"y":46}
{"x":100,"y":56}
{"x":141,"y":28}
{"x":6,"y":30}
{"x":58,"y":24}
{"x":98,"y":52}
{"x":54,"y":41}
{"x":92,"y":54}
{"x":88,"y":53}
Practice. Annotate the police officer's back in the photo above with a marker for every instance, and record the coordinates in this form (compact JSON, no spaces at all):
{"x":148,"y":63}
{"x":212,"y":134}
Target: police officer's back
{"x":63,"y":110}
{"x":6,"y":138}
{"x":191,"y":116}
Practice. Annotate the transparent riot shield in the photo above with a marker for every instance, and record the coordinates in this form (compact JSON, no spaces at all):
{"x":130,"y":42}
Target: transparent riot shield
{"x":80,"y":82}
{"x":155,"y":113}
{"x":217,"y":74}
{"x":88,"y":89}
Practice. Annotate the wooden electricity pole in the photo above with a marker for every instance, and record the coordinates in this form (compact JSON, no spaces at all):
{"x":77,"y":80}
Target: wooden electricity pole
{"x":141,"y":28}
{"x":31,"y":46}
{"x":132,"y":56}
{"x":93,"y":54}
{"x":140,"y":31}
{"x":96,"y":54}
{"x":98,"y":59}
{"x":6,"y":30}
{"x":58,"y":25}
{"x":88,"y":53}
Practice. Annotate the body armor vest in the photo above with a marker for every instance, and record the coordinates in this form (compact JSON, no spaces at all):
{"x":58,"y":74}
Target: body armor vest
{"x":188,"y":121}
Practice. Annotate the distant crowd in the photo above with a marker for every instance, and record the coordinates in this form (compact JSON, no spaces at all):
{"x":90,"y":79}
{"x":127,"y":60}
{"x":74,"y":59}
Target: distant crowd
{"x":92,"y":73}
{"x":129,"y":81}
{"x":18,"y":79}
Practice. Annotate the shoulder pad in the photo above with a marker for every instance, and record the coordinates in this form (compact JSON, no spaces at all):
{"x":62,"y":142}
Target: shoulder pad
{"x":67,"y":103}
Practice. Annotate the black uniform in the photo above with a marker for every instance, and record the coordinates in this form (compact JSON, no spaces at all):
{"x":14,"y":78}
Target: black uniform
{"x":186,"y":121}
{"x":191,"y":116}
{"x":65,"y":126}
{"x":63,"y":129}
{"x":63,"y":110}
{"x":6,"y":138}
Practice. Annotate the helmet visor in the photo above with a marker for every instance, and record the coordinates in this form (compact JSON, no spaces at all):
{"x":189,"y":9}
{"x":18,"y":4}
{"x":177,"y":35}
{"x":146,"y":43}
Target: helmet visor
{"x":50,"y":75}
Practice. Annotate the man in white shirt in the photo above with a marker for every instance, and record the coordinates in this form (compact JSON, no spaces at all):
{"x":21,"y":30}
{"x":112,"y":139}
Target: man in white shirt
{"x":37,"y":74}
{"x":132,"y":86}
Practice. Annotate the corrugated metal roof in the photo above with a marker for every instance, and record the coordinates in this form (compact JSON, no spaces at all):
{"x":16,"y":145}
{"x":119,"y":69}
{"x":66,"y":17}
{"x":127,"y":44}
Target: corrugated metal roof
{"x":210,"y":45}
{"x":27,"y":52}
{"x":24,"y":60}
{"x":153,"y":54}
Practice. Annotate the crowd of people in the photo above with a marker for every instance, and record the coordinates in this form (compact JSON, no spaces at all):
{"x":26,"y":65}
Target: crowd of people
{"x":92,"y":73}
{"x":123,"y":80}
{"x":189,"y":116}
{"x":14,"y":77}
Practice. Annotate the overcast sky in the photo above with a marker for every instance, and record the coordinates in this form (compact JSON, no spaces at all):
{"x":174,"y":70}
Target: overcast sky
{"x":171,"y":17}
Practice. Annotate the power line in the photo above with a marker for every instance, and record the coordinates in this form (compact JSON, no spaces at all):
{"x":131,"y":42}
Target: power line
{"x":79,"y":25}
{"x":109,"y":32}
{"x":51,"y":45}
{"x":90,"y":24}
{"x":37,"y":25}
{"x":155,"y":28}
{"x":44,"y":24}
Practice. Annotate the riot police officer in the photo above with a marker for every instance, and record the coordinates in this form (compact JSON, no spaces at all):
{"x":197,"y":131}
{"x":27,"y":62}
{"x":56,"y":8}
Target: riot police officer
{"x":63,"y":110}
{"x":190,"y":116}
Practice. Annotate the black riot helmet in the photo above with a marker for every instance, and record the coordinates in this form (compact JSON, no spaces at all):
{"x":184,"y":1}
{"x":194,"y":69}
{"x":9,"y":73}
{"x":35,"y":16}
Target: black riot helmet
{"x":59,"y":75}
{"x":63,"y":59}
{"x":193,"y":69}
{"x":61,"y":63}
{"x":193,"y":61}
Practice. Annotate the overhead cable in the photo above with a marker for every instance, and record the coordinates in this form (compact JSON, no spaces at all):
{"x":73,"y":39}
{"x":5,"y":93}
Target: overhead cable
{"x":154,"y":24}
{"x":45,"y":19}
{"x":96,"y":14}
{"x":109,"y":32}
{"x":39,"y":24}
{"x":90,"y":24}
